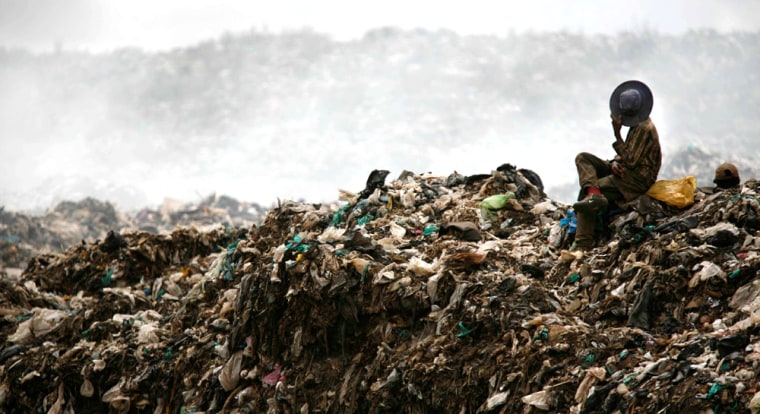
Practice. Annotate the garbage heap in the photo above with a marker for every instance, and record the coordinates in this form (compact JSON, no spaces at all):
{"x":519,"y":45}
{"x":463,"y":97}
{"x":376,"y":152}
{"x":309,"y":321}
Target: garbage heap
{"x":423,"y":295}
{"x":211,"y":210}
{"x":23,"y":236}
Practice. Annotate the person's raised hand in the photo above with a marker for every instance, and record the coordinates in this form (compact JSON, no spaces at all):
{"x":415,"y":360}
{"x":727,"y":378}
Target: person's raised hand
{"x":618,"y":169}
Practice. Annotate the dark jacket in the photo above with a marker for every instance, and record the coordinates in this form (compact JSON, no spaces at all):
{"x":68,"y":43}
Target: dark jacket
{"x":641,"y":156}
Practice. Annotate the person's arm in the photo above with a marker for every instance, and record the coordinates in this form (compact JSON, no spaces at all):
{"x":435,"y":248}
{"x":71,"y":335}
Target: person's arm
{"x":617,"y":123}
{"x":617,"y":168}
{"x":635,"y":148}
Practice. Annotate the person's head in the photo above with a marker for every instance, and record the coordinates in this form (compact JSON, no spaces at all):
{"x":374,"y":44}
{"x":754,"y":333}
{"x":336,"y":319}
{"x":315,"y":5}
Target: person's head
{"x":726,"y":176}
{"x":632,"y":101}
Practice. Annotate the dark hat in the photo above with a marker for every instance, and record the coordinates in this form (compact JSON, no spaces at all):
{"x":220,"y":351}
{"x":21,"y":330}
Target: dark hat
{"x":633,"y":101}
{"x":726,"y":175}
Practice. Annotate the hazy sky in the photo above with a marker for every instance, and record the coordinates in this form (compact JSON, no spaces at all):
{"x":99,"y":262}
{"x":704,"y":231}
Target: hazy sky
{"x":98,"y":25}
{"x":154,"y":25}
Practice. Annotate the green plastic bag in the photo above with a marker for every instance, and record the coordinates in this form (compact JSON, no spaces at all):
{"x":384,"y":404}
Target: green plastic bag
{"x":495,"y":202}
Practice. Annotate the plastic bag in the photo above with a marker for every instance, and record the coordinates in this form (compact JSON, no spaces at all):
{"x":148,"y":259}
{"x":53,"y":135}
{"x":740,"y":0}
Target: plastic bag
{"x":677,"y":193}
{"x":42,"y":322}
{"x":543,"y":400}
{"x":497,"y":201}
{"x":494,"y":202}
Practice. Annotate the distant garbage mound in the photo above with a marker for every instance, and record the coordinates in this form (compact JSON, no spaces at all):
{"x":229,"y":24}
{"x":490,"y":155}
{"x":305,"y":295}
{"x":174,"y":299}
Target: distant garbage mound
{"x":23,"y":236}
{"x":423,"y":294}
{"x":213,"y":210}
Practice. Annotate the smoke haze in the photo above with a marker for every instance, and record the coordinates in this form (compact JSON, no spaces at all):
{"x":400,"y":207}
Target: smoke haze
{"x":261,"y":114}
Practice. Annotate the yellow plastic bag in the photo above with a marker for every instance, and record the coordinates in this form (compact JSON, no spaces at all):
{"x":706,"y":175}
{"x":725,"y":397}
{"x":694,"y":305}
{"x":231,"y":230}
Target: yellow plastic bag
{"x":677,"y":193}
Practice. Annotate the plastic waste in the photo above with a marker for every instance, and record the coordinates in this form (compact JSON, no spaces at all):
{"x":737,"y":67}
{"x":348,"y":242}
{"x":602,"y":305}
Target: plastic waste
{"x":555,"y":236}
{"x":641,"y":313}
{"x":430,"y":229}
{"x":747,"y":297}
{"x":230,"y":373}
{"x":542,"y":400}
{"x":543,"y":207}
{"x":678,"y":192}
{"x":116,"y":399}
{"x":495,"y":202}
{"x":338,"y":216}
{"x":496,"y":400}
{"x":420,"y":267}
{"x":87,"y":389}
{"x":375,"y":180}
{"x":570,"y":221}
{"x":732,"y":343}
{"x":593,"y":375}
{"x":463,"y":330}
{"x":754,"y":404}
{"x":462,"y":229}
{"x":274,"y":376}
{"x":108,"y":277}
{"x":148,"y":334}
{"x":706,"y":271}
{"x":397,"y":231}
{"x":433,"y":304}
{"x":678,"y":225}
{"x":41,"y":323}
{"x":722,"y":235}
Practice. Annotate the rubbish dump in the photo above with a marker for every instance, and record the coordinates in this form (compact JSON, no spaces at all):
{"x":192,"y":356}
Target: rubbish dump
{"x":24,"y":235}
{"x":407,"y":296}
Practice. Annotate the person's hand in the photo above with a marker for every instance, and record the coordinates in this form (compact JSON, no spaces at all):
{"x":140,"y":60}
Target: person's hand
{"x":618,"y":169}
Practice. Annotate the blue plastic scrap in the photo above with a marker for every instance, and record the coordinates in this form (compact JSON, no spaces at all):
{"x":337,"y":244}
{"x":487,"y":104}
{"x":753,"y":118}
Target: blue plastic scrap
{"x":228,"y":268}
{"x":716,"y":388}
{"x":430,"y":229}
{"x":543,"y":334}
{"x":338,"y":215}
{"x":107,"y":278}
{"x":464,"y":330}
{"x":297,"y":245}
{"x":571,"y":222}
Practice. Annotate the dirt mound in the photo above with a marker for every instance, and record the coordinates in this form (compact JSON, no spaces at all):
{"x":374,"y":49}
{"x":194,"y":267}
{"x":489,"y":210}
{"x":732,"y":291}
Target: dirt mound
{"x":426,"y":294}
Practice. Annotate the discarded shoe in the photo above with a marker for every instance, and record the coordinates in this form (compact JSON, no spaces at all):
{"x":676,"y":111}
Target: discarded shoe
{"x":591,"y":204}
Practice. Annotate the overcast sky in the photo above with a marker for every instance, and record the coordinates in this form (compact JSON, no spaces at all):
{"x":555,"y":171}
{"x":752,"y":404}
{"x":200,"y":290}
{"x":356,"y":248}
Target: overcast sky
{"x":156,"y":25}
{"x":98,"y":25}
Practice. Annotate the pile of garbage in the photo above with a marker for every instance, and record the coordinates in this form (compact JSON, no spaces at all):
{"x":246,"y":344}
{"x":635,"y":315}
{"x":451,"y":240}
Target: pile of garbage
{"x":423,"y":294}
{"x":211,"y":210}
{"x":23,"y":236}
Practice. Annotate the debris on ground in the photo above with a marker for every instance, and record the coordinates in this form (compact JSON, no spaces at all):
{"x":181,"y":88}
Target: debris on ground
{"x":23,"y":235}
{"x":425,"y":294}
